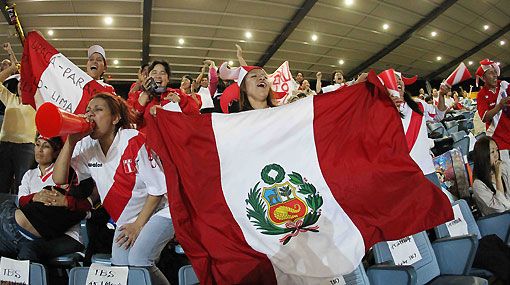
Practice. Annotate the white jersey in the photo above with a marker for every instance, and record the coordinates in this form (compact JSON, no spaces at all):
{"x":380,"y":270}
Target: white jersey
{"x":420,"y":151}
{"x":331,"y":88}
{"x":431,"y":112}
{"x":124,"y":177}
{"x":206,"y":98}
{"x":33,"y":181}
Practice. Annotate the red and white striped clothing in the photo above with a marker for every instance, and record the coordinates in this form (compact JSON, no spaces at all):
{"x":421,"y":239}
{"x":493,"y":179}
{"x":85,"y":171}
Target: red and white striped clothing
{"x":108,"y":87}
{"x":33,"y":181}
{"x":124,"y":177}
{"x":420,"y":150}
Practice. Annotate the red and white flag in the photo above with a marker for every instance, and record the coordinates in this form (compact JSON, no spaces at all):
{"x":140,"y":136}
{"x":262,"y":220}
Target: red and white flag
{"x":58,"y":80}
{"x":460,"y":74}
{"x":294,"y":194}
{"x":282,"y":82}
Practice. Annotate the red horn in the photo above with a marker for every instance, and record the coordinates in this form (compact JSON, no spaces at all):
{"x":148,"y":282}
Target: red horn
{"x":51,"y":121}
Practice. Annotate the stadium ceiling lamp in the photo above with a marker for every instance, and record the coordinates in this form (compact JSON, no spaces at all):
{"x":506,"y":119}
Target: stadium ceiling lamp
{"x":438,"y":58}
{"x":470,"y":62}
{"x":433,"y":33}
{"x":230,"y":62}
{"x":348,"y":2}
{"x":181,"y":41}
{"x":50,"y":33}
{"x":116,"y":62}
{"x":385,"y":26}
{"x":314,"y":37}
{"x":108,"y":20}
{"x":248,"y":35}
{"x":486,"y":27}
{"x":502,"y":42}
{"x":341,"y":62}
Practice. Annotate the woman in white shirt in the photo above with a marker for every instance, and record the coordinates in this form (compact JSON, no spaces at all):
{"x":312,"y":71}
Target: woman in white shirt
{"x":129,"y":179}
{"x":491,"y":184}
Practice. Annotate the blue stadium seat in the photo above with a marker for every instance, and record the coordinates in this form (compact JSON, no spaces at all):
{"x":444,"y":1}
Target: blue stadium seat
{"x":187,"y":276}
{"x":358,"y":277}
{"x":136,"y":276}
{"x":442,"y":232}
{"x":37,"y":274}
{"x":436,"y":130}
{"x":451,"y":127}
{"x":102,"y":258}
{"x":428,"y":269}
{"x":498,"y":224}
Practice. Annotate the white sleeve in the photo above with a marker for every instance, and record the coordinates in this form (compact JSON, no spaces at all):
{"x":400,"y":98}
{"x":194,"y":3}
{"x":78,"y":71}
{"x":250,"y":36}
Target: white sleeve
{"x":439,"y":114}
{"x":24,"y":188}
{"x":151,"y":173}
{"x":329,"y":88}
{"x":79,"y":163}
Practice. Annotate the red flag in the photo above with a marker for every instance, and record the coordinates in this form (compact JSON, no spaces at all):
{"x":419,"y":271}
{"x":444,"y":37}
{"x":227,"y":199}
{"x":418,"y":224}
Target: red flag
{"x":58,"y":80}
{"x":460,"y":74}
{"x":295,"y":194}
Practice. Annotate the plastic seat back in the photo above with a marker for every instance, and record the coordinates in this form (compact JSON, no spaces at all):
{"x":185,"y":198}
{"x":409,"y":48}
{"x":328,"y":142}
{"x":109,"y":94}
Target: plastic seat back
{"x":136,"y":276}
{"x":187,"y":276}
{"x":426,"y":269}
{"x":357,"y":277}
{"x":472,"y":227}
{"x":37,"y":274}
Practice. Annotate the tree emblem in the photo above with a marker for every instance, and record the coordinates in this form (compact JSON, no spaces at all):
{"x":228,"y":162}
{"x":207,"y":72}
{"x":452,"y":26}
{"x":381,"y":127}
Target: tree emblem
{"x":284,"y":205}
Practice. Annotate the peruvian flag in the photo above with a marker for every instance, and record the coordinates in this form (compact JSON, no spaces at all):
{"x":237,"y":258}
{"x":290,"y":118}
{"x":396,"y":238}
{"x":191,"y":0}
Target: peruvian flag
{"x":294,"y":194}
{"x":58,"y":80}
{"x":460,"y":74}
{"x":282,"y":82}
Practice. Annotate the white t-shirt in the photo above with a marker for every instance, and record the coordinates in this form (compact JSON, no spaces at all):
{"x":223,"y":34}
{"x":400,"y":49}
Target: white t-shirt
{"x":431,"y":112}
{"x":33,"y":182}
{"x":124,"y":177}
{"x":331,"y":88}
{"x":206,"y":98}
{"x":420,"y":151}
{"x":449,"y":102}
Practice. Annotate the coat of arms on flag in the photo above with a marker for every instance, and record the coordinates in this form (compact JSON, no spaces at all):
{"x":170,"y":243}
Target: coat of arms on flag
{"x":284,"y":206}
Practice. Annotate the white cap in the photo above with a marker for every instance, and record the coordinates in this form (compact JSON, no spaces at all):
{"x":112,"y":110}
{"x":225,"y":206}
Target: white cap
{"x":96,"y":48}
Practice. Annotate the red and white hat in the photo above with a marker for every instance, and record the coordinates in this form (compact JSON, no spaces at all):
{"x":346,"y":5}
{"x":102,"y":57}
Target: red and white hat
{"x":390,"y":81}
{"x":484,"y":66}
{"x":232,"y":92}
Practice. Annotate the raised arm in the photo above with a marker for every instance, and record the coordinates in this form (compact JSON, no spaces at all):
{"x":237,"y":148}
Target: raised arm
{"x":240,"y":58}
{"x":318,"y":85}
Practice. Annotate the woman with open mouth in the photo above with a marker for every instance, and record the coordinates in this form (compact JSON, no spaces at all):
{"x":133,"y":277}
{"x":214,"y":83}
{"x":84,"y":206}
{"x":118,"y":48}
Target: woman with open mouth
{"x":96,"y":66}
{"x":155,"y":94}
{"x":252,"y":90}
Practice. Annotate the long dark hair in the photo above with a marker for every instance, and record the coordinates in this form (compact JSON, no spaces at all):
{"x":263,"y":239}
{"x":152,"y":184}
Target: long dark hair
{"x":412,"y":104}
{"x":244,"y":103}
{"x":118,"y":106}
{"x":481,"y":157}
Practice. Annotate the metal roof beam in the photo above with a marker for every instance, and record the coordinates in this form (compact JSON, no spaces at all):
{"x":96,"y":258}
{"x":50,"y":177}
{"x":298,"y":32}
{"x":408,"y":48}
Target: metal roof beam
{"x":146,"y":30}
{"x":289,"y":28}
{"x":403,"y":38}
{"x":470,"y":52}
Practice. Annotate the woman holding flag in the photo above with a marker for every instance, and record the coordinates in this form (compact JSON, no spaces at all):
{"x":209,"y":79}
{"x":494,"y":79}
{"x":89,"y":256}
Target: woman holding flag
{"x":129,"y":179}
{"x":414,"y":116}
